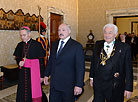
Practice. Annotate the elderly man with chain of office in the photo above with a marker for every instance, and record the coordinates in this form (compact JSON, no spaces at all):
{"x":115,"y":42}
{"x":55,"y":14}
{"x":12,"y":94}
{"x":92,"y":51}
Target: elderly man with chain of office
{"x":111,"y":72}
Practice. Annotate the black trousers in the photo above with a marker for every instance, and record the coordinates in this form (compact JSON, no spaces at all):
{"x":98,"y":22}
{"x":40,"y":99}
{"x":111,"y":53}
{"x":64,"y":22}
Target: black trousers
{"x":108,"y":94}
{"x":61,"y":96}
{"x":102,"y":96}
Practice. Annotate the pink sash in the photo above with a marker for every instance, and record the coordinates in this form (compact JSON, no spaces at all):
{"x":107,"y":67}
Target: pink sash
{"x":35,"y":78}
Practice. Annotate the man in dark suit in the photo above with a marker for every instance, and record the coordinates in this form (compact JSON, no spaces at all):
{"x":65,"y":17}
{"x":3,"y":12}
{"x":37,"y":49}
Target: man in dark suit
{"x":66,"y":67}
{"x":134,"y":45}
{"x":111,"y":72}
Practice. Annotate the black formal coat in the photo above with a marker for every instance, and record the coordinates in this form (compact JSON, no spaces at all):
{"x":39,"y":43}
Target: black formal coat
{"x":120,"y":63}
{"x":67,"y":70}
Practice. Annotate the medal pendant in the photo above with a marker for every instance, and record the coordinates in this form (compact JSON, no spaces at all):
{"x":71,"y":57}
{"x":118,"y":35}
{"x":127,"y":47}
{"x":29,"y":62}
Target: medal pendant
{"x":103,"y":63}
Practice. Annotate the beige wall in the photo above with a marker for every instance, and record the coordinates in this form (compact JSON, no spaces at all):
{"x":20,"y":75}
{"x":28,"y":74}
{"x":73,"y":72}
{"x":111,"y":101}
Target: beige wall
{"x":124,"y":24}
{"x":9,"y":39}
{"x":92,"y":15}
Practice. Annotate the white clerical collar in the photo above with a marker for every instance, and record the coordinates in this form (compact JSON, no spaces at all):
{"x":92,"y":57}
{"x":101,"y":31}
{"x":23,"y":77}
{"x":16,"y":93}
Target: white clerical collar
{"x":27,"y":41}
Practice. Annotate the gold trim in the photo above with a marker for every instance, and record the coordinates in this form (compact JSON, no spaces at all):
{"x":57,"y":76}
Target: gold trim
{"x":104,"y":58}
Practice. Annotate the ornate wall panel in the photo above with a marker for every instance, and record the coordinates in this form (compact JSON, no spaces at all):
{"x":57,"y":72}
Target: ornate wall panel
{"x":14,"y":21}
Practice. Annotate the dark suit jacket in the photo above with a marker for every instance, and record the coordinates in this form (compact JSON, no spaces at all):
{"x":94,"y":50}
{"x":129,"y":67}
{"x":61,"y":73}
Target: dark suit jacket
{"x":67,"y":70}
{"x":120,"y":62}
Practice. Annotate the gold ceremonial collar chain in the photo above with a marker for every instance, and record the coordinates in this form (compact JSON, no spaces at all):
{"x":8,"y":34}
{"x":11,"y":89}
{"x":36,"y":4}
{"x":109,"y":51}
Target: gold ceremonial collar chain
{"x":104,"y":58}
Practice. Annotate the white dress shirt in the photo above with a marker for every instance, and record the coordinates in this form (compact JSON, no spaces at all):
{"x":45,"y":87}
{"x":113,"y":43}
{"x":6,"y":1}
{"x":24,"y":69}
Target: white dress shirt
{"x":65,"y":41}
{"x":109,"y":49}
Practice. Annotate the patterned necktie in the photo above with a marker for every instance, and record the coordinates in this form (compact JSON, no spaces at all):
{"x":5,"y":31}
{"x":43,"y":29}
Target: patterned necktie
{"x":61,"y":46}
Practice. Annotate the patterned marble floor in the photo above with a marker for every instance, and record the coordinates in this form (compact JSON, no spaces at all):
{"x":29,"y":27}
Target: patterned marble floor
{"x":87,"y":96}
{"x":9,"y":94}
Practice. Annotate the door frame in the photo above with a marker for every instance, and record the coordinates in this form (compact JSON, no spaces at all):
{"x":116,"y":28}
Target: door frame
{"x":110,"y":14}
{"x":55,"y":11}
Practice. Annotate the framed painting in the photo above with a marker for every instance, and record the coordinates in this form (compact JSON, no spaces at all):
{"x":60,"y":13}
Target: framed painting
{"x":13,"y":21}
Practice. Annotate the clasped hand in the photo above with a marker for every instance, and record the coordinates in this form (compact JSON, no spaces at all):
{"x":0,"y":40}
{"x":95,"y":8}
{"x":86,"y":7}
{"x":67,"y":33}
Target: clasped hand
{"x":77,"y":90}
{"x":21,"y":63}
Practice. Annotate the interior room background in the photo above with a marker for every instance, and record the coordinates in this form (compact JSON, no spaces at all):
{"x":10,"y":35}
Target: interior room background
{"x":82,"y":15}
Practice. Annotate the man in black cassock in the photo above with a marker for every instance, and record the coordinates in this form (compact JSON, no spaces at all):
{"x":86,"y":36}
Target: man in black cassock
{"x":28,"y":49}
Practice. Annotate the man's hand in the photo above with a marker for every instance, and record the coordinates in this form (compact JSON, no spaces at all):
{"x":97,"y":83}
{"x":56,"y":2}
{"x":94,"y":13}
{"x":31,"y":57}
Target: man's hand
{"x":42,"y":79}
{"x":77,"y":90}
{"x":21,"y":63}
{"x":91,"y":82}
{"x":127,"y":94}
{"x":46,"y":80}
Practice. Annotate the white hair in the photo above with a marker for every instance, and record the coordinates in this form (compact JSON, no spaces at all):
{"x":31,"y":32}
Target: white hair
{"x":111,"y":25}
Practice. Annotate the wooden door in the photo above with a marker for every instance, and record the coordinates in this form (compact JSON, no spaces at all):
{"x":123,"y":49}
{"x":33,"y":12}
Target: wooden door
{"x":55,"y":21}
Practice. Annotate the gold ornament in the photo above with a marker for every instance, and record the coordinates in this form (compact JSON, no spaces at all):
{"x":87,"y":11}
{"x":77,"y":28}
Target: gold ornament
{"x":104,"y":58}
